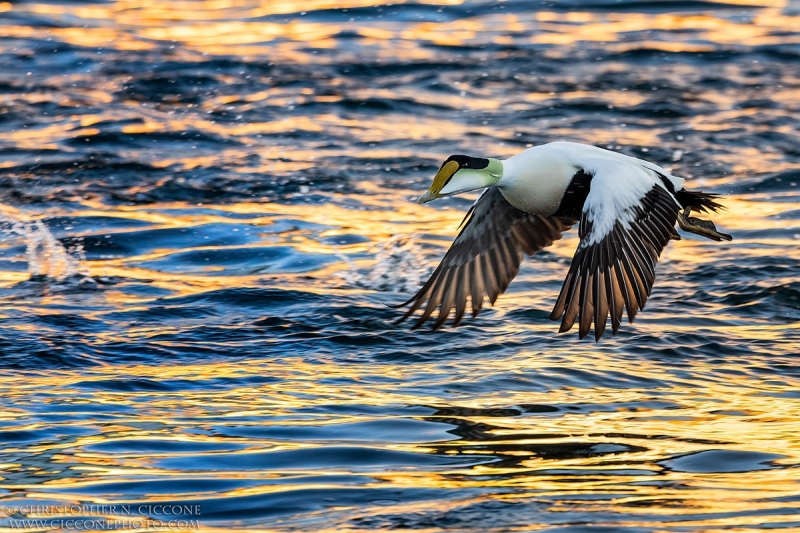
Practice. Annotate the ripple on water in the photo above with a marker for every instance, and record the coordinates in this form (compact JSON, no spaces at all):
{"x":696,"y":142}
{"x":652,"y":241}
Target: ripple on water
{"x":400,"y":430}
{"x":241,"y":261}
{"x":720,"y":461}
{"x":335,"y":458}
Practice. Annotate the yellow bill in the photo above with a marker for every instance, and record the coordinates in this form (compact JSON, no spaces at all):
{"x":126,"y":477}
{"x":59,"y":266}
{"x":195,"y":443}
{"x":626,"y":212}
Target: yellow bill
{"x":441,"y":177}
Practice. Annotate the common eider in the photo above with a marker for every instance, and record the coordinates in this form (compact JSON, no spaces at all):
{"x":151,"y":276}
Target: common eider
{"x":626,"y":209}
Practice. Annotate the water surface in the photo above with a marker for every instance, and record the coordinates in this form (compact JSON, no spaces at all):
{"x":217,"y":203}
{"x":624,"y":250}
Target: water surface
{"x":207,"y":206}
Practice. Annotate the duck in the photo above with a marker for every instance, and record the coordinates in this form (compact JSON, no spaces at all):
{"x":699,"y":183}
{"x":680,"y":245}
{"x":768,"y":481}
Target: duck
{"x":626,"y":210}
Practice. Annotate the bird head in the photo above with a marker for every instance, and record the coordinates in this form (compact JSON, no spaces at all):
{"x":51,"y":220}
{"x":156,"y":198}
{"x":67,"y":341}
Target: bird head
{"x":462,"y":173}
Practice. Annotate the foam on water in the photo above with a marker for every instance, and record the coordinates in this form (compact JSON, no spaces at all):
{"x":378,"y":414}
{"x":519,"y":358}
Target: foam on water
{"x":397,"y":267}
{"x":47,"y":258}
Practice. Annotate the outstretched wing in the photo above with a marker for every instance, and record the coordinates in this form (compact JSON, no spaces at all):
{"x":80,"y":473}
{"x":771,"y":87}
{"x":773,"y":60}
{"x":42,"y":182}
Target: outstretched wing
{"x":627,"y":220}
{"x":484,"y":258}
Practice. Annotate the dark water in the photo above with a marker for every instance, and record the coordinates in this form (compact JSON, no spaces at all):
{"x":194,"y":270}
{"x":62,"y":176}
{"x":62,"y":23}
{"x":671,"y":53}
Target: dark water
{"x":208,"y":204}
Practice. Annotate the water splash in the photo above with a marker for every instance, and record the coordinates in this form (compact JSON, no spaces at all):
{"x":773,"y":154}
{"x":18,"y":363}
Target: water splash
{"x":397,"y":267}
{"x":48,"y":259}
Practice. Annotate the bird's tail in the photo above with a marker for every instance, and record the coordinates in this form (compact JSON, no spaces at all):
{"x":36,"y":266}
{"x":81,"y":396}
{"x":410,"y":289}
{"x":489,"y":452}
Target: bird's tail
{"x":702,"y":202}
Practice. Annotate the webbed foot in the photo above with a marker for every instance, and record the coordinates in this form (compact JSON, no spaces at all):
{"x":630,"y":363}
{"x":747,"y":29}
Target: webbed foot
{"x":698,"y":226}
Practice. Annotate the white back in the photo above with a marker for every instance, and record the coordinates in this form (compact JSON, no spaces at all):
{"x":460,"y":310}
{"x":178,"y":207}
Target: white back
{"x":535,"y":180}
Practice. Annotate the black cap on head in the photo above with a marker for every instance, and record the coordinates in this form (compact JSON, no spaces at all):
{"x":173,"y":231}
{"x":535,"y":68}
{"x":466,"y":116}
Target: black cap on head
{"x":465,"y":161}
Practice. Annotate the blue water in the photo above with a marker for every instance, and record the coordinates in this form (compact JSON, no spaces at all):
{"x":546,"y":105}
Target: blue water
{"x":206,"y":208}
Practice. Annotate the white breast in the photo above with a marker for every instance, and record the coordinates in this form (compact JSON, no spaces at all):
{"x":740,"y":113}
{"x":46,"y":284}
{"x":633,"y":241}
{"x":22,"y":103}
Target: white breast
{"x":534,"y":181}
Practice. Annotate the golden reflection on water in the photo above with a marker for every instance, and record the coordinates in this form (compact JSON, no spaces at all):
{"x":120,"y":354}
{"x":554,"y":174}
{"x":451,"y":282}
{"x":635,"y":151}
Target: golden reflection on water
{"x":697,"y":403}
{"x":140,"y":24}
{"x":136,"y":22}
{"x":766,"y":423}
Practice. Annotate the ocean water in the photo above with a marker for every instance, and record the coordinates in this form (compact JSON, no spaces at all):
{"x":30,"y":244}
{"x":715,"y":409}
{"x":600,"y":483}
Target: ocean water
{"x":207,"y":206}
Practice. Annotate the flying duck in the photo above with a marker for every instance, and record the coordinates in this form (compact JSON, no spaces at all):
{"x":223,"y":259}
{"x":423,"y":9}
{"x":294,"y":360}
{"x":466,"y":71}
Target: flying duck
{"x":626,"y":209}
